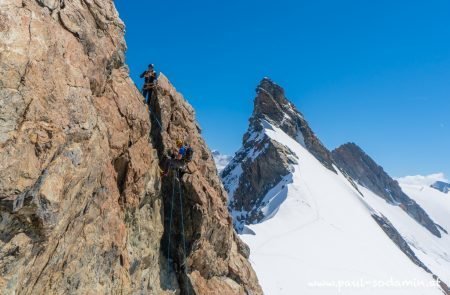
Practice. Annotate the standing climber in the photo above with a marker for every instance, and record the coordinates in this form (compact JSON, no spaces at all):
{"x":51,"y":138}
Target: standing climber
{"x":149,"y":82}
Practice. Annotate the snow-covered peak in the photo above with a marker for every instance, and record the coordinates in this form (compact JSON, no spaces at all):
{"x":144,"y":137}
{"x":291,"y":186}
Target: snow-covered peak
{"x":263,"y":162}
{"x":272,"y":106}
{"x":306,"y":221}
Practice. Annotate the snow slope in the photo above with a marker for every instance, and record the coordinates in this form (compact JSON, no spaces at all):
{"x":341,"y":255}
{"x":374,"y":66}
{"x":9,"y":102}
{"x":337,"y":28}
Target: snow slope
{"x":434,"y":252}
{"x":318,"y":230}
{"x":436,"y":203}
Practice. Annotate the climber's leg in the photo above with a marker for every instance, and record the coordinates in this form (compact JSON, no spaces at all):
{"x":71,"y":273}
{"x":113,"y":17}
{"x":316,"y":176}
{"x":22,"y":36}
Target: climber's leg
{"x":145,"y":94}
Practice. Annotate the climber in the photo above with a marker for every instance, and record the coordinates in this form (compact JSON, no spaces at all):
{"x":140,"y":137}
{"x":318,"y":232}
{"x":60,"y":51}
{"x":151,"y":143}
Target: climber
{"x":149,"y":82}
{"x":178,"y":158}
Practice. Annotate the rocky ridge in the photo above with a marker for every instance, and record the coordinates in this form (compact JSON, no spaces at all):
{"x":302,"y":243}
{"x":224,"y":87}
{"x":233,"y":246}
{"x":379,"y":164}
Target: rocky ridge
{"x":216,"y":257}
{"x":261,"y":163}
{"x":82,"y":203}
{"x":272,"y":105}
{"x":363,"y":170}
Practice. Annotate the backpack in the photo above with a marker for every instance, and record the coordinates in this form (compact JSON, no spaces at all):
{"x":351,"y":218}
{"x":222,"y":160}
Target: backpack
{"x":189,"y":154}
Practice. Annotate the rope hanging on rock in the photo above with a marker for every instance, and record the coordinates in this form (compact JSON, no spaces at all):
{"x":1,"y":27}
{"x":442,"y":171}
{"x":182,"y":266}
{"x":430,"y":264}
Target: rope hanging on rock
{"x":170,"y":222}
{"x":154,"y":117}
{"x":175,"y":178}
{"x":182,"y":232}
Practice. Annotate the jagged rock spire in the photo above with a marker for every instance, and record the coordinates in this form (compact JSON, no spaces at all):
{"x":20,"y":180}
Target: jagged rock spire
{"x":271,"y":104}
{"x":262,"y":162}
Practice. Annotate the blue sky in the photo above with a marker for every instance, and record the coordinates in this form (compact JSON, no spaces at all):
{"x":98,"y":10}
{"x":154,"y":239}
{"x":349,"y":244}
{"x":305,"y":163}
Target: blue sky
{"x":373,"y":72}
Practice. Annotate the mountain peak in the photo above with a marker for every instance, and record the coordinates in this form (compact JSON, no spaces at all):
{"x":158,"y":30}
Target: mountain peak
{"x":270,"y":102}
{"x":269,"y":85}
{"x":352,"y":145}
{"x":273,"y":106}
{"x":260,"y":152}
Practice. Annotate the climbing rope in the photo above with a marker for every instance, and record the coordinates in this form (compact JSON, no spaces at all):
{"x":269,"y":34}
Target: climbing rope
{"x":154,"y":117}
{"x":149,"y":110}
{"x":175,"y":177}
{"x":182,"y":231}
{"x":170,"y":222}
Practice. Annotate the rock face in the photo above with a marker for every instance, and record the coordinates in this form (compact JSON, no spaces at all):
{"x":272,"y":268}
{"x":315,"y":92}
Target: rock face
{"x":79,"y":182}
{"x":262,"y":163}
{"x":362,"y":169}
{"x":272,"y":105}
{"x":441,"y":186}
{"x":216,"y":258}
{"x":81,"y":197}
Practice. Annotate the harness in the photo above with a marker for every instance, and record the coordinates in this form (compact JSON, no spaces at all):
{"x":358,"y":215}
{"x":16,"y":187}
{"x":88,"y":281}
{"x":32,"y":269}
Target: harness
{"x":149,"y":84}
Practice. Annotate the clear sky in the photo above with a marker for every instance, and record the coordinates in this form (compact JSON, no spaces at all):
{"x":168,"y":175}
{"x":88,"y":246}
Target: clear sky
{"x":373,"y":72}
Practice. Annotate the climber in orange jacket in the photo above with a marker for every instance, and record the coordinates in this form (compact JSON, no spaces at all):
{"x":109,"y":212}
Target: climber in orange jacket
{"x":149,"y":82}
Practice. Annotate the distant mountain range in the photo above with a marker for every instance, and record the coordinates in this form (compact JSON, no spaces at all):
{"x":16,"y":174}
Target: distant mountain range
{"x":441,"y":186}
{"x":221,"y":160}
